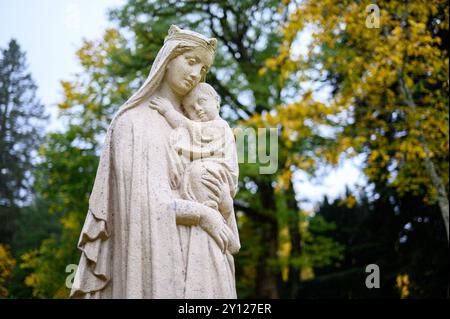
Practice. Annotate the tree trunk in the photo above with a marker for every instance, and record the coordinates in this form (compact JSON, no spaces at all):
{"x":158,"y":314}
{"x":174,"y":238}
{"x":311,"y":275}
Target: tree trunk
{"x":436,"y":180}
{"x":439,"y":185}
{"x":266,"y":274}
{"x":296,"y":246}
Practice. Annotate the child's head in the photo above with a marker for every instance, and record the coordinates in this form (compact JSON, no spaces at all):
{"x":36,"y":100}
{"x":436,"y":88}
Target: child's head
{"x":202,"y":103}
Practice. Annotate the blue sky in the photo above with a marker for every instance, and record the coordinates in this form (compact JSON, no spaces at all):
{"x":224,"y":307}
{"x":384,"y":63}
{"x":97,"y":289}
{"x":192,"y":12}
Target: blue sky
{"x":50,"y":31}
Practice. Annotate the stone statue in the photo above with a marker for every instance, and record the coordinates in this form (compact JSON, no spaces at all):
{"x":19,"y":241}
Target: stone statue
{"x":161,"y":222}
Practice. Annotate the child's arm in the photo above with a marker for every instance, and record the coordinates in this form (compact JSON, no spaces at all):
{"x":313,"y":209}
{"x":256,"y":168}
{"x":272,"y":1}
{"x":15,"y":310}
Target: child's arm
{"x":176,"y":119}
{"x":227,"y":210}
{"x":166,"y":109}
{"x":226,"y":203}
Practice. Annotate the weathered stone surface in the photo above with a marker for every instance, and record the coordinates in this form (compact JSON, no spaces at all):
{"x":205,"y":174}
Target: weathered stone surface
{"x":161,"y":222}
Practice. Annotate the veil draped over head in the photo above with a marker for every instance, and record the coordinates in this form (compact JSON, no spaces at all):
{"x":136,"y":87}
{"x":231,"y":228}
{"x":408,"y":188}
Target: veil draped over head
{"x":94,"y":269}
{"x":177,"y":40}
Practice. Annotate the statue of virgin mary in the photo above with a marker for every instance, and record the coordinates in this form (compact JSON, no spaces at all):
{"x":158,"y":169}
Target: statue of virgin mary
{"x":132,"y":241}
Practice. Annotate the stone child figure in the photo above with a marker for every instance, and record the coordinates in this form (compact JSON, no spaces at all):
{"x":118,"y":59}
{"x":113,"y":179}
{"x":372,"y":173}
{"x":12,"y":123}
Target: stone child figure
{"x":197,"y":152}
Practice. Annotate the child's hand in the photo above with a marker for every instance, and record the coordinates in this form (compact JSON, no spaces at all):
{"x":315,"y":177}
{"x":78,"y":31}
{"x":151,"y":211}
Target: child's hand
{"x":160,"y":104}
{"x":226,"y":202}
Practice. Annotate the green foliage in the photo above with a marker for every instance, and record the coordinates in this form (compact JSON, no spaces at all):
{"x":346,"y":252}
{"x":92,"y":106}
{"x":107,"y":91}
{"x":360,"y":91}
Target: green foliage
{"x":321,"y":249}
{"x":374,"y":232}
{"x":32,"y":225}
{"x":64,"y":180}
{"x":7,"y":264}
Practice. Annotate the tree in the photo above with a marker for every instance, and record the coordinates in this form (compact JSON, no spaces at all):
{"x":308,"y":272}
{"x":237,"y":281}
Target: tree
{"x":389,"y":88}
{"x":391,"y":231}
{"x":32,"y":226}
{"x":21,"y":131}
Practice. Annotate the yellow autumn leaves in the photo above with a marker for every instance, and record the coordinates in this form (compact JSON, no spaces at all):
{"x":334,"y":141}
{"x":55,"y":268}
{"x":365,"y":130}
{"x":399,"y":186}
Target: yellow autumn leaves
{"x":7,"y":264}
{"x":369,"y":65}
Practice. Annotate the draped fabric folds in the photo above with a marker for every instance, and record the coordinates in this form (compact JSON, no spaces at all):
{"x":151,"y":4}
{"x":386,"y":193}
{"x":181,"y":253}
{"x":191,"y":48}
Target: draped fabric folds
{"x":131,"y":246}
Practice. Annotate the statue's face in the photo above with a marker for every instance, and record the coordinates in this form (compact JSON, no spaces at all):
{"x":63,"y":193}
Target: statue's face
{"x":185,"y":71}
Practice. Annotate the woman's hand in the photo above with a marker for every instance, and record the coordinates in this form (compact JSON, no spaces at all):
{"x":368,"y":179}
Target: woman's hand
{"x":160,"y":104}
{"x":190,"y":213}
{"x":214,"y":224}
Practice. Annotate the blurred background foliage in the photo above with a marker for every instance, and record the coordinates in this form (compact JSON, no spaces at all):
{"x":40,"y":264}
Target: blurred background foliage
{"x":387,"y":101}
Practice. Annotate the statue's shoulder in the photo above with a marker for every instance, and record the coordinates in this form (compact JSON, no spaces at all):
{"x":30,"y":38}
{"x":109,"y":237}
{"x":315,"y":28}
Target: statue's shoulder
{"x":226,"y":124}
{"x":128,"y":117}
{"x":226,"y":127}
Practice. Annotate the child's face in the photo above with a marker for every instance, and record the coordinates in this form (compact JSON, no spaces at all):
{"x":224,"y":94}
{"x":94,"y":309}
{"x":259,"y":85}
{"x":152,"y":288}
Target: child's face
{"x":201,"y":107}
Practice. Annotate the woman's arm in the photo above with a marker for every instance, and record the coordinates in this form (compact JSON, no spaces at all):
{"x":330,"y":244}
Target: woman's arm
{"x":190,"y":213}
{"x":187,"y":212}
{"x":221,"y":194}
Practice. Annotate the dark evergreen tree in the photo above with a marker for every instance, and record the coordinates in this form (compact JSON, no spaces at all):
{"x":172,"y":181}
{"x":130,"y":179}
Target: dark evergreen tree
{"x":401,"y":235}
{"x":22,"y":118}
